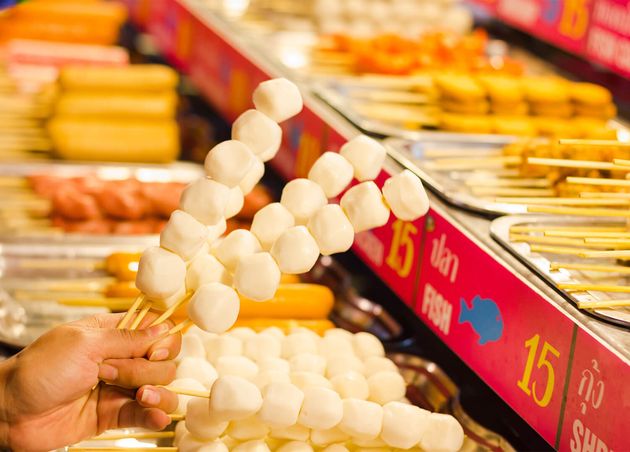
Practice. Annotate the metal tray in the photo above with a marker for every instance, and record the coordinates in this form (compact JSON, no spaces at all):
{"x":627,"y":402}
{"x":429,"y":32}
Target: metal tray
{"x":181,"y":172}
{"x":23,"y":267}
{"x":451,"y":185}
{"x":335,"y":94}
{"x":430,"y":388}
{"x":540,"y":263}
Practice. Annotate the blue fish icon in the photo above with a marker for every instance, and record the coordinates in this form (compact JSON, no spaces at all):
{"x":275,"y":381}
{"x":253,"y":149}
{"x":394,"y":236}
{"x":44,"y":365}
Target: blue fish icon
{"x":484,"y":317}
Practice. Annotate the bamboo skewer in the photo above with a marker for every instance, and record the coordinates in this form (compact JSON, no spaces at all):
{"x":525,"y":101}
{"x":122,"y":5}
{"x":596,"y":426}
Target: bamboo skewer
{"x":113,"y":304}
{"x":587,"y":234}
{"x":594,"y":287}
{"x":557,"y":250}
{"x":554,"y":241}
{"x":581,"y":211}
{"x":134,"y":307}
{"x":554,"y":266}
{"x":457,"y":152}
{"x":565,"y":201}
{"x":177,"y":417}
{"x":133,"y":435}
{"x":597,"y":194}
{"x":188,"y":392}
{"x":495,"y":182}
{"x":610,"y":241}
{"x":621,"y":162}
{"x":582,"y":142}
{"x":513,"y":192}
{"x":141,"y":315}
{"x":520,"y":228}
{"x":569,"y":163}
{"x":598,"y":181}
{"x":603,"y":304}
{"x":450,"y":164}
{"x":615,"y":254}
{"x":166,"y":314}
{"x":177,"y":328}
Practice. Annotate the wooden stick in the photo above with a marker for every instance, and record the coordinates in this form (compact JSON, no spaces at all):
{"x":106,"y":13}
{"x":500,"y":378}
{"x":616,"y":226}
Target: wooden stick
{"x":450,"y":164}
{"x":521,"y":228}
{"x":607,"y":241}
{"x":581,"y":142}
{"x":603,"y":304}
{"x":557,"y":250}
{"x":594,"y":287}
{"x":133,"y":435}
{"x":598,"y":181}
{"x":621,"y":162}
{"x":141,"y":315}
{"x":61,"y":264}
{"x":513,"y":192}
{"x":554,"y":266}
{"x":177,"y":417}
{"x":614,"y":254}
{"x":556,"y":241}
{"x":565,"y":201}
{"x":188,"y":392}
{"x":581,"y":211}
{"x":492,"y":182}
{"x":585,"y":234}
{"x":603,"y":194}
{"x":166,"y":314}
{"x":131,"y":311}
{"x":568,"y":163}
{"x":460,"y":152}
{"x":177,"y":328}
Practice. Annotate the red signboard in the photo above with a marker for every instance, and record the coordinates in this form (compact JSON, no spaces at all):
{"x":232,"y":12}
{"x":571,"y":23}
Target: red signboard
{"x":609,"y":35}
{"x":495,"y":323}
{"x":598,"y":404}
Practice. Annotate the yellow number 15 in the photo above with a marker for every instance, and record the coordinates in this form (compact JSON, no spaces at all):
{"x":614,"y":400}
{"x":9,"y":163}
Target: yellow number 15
{"x":402,"y":239}
{"x":543,"y":361}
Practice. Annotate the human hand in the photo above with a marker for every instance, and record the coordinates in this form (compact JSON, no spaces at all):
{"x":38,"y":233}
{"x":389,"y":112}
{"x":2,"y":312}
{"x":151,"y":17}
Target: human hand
{"x":48,"y":401}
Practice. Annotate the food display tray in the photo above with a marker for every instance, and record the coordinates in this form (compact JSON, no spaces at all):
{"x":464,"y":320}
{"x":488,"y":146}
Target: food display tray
{"x":26,"y":264}
{"x":451,"y":185}
{"x":540,"y":263}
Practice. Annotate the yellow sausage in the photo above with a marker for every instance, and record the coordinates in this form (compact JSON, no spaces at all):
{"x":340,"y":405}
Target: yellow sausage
{"x":117,"y":140}
{"x":292,"y":301}
{"x":117,"y":105}
{"x":122,"y":289}
{"x":286,"y":325}
{"x":124,"y":266}
{"x":135,"y":78}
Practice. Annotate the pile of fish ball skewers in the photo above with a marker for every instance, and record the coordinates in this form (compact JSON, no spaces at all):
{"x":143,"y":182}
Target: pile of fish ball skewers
{"x":249,"y":391}
{"x":196,"y":268}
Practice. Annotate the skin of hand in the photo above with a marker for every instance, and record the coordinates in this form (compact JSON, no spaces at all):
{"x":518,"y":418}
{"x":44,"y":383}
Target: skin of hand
{"x":46,"y":395}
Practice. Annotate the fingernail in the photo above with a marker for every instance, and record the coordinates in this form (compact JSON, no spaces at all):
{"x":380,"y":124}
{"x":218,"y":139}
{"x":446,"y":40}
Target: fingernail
{"x":158,"y":330}
{"x":107,"y":372}
{"x":150,"y":397}
{"x":159,"y":355}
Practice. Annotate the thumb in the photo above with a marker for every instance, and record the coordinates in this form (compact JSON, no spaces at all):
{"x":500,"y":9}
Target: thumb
{"x":115,"y":343}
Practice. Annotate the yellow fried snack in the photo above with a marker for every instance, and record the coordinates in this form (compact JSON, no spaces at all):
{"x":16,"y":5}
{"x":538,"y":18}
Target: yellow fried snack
{"x":515,"y":125}
{"x":606,"y":111}
{"x":555,"y":127}
{"x":466,"y":123}
{"x":517,"y":109}
{"x":546,"y":90}
{"x":502,"y":90}
{"x":558,"y":110}
{"x":589,"y":94}
{"x":594,"y":128}
{"x":470,"y":108}
{"x":460,"y":87}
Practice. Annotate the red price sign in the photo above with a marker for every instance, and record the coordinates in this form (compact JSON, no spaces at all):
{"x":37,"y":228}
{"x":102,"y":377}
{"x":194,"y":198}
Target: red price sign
{"x":598,"y":403}
{"x":518,"y":342}
{"x":609,"y":35}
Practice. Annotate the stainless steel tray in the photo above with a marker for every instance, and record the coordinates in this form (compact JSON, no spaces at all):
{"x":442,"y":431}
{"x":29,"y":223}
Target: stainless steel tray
{"x":333,"y":93}
{"x":451,"y":185}
{"x":24,"y":267}
{"x":539,"y":262}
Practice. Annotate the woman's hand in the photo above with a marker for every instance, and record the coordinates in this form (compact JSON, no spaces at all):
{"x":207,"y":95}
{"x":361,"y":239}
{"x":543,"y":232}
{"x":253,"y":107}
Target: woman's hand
{"x":47,"y":400}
